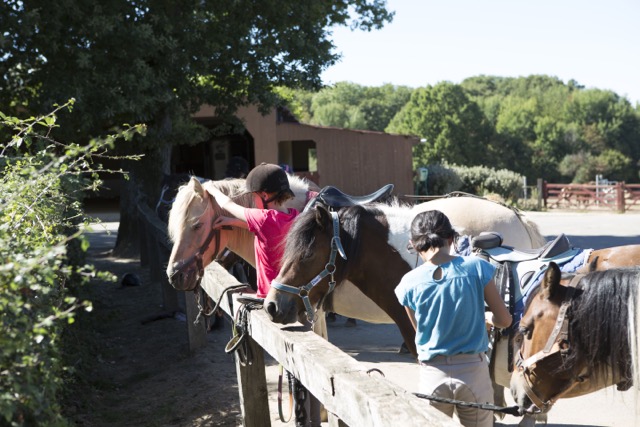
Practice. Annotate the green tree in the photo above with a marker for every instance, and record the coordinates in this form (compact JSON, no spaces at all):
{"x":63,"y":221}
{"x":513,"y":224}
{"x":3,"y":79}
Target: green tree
{"x":453,"y":126}
{"x":157,"y":61}
{"x":353,"y":106}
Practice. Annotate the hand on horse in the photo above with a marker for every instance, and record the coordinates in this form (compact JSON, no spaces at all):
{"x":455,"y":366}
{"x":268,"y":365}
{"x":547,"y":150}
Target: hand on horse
{"x":488,"y":321}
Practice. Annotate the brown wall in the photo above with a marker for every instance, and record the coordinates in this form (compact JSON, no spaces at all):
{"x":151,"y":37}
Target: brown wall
{"x":357,"y":162}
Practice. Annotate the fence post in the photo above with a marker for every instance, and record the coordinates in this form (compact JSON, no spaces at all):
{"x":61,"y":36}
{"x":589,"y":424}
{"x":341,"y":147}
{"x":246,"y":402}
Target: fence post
{"x":541,"y":193}
{"x":252,"y":387}
{"x":620,"y":197}
{"x":196,"y":332}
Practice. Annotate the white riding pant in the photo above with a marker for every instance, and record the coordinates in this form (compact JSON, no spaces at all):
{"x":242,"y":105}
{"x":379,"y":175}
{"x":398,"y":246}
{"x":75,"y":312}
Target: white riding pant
{"x":461,"y":377}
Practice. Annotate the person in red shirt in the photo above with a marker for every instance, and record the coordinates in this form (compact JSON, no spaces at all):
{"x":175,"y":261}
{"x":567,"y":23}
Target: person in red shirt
{"x":270,"y":222}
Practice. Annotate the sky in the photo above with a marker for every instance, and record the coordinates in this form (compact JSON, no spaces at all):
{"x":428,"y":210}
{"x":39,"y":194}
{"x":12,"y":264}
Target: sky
{"x":596,"y":43}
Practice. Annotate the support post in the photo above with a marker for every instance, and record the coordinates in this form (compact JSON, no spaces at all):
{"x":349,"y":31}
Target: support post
{"x":252,"y":387}
{"x":620,"y":197}
{"x":541,"y":195}
{"x":197,"y":333}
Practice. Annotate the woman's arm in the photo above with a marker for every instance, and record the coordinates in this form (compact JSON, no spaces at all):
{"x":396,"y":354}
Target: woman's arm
{"x":412,"y":317}
{"x":501,"y":317}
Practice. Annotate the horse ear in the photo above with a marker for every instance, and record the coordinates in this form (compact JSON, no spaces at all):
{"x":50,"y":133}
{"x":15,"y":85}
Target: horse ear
{"x":323,"y":217}
{"x":197,"y":187}
{"x":551,"y":280}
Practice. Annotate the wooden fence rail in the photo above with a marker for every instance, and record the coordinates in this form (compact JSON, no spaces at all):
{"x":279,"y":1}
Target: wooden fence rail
{"x":350,"y":396}
{"x":619,"y":197}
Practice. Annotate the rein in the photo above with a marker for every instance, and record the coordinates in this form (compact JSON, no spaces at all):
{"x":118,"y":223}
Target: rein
{"x":329,"y":270}
{"x":558,"y":342}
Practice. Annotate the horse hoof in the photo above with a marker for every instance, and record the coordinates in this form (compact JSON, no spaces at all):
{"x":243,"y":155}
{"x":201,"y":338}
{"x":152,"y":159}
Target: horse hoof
{"x":350,"y":323}
{"x":331,"y":317}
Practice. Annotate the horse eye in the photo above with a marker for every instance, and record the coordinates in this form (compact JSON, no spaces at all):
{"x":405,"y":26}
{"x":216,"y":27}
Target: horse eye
{"x":197,"y":226}
{"x":525,"y":331}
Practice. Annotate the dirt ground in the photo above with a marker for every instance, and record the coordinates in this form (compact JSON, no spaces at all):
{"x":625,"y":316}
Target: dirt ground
{"x":139,"y":374}
{"x":138,"y":371}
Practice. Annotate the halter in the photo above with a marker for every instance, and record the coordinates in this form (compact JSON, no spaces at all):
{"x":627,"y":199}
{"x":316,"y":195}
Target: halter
{"x":197,"y":257}
{"x":329,"y":270}
{"x":558,"y":342}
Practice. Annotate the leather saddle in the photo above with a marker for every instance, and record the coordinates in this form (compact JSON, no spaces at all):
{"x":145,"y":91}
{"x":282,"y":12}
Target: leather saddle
{"x":555,"y":250}
{"x":334,"y":198}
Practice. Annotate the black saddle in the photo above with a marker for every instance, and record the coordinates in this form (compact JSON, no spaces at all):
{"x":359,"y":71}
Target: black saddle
{"x":492,"y":240}
{"x":334,"y":198}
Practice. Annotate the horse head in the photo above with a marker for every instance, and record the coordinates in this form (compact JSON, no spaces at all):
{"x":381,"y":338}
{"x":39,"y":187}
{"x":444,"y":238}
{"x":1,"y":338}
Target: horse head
{"x":190,"y":226}
{"x":312,"y":256}
{"x":540,"y":377}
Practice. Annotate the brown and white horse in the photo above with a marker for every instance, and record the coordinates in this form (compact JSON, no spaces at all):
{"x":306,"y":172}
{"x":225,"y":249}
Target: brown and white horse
{"x":195,"y":245}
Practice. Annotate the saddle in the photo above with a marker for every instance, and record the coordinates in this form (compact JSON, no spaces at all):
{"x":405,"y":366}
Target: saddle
{"x":518,"y":272}
{"x":526,"y":266}
{"x":334,"y":198}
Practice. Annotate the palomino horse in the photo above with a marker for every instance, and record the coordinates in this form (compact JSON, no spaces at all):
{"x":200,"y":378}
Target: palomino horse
{"x":578,"y":337}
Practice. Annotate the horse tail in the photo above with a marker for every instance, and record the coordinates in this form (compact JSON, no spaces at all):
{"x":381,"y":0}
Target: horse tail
{"x":537,"y":239}
{"x":634,"y":340}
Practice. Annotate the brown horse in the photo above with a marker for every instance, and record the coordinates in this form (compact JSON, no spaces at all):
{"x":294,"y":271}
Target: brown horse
{"x":578,"y":335}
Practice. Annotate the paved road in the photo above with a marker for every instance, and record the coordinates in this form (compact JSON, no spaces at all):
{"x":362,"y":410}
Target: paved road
{"x":376,"y":345}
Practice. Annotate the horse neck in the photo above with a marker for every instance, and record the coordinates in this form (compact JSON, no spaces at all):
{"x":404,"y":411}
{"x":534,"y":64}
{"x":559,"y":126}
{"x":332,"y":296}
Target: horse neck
{"x":240,"y":242}
{"x":399,"y":220}
{"x":378,"y":279}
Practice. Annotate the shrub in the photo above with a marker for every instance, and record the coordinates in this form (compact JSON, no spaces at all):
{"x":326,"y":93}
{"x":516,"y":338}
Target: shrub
{"x":40,"y":212}
{"x":482,"y":180}
{"x":442,"y":180}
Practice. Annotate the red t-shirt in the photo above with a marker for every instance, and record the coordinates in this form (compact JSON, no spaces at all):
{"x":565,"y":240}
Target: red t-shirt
{"x":270,"y":227}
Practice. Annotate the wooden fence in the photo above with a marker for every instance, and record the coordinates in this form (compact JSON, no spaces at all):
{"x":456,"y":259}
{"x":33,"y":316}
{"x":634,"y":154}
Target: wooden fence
{"x":350,"y":396}
{"x":618,"y":197}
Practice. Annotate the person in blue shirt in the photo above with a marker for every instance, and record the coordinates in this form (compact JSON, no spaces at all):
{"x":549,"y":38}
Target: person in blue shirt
{"x":445,"y":300}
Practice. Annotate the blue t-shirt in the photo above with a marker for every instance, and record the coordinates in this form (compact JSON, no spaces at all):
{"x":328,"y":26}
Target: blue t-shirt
{"x":449,"y":311}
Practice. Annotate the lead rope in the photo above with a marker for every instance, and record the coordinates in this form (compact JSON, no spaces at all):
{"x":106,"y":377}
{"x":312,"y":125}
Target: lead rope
{"x":516,"y":411}
{"x":290,"y":387}
{"x":511,"y":410}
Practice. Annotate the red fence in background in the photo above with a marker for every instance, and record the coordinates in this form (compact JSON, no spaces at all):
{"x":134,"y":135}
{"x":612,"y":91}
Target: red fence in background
{"x":619,"y":197}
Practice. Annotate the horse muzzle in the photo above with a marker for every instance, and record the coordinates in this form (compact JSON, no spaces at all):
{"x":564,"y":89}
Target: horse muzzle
{"x":185,"y":277}
{"x":281,"y":308}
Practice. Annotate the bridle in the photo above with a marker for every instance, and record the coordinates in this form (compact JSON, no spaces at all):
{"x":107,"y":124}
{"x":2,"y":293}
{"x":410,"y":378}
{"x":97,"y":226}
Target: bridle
{"x":329,"y":270}
{"x":197,"y":258}
{"x":557,"y":347}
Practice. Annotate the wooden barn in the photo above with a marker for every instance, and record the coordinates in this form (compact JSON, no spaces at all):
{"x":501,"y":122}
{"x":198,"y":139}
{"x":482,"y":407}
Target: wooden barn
{"x":357,"y":162}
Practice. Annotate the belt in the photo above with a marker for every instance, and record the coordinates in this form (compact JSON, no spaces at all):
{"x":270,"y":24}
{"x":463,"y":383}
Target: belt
{"x":456,"y":359}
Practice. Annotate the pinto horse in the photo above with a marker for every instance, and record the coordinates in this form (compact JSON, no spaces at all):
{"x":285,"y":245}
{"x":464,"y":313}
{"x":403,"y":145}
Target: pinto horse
{"x":578,"y":335}
{"x":374,"y":239}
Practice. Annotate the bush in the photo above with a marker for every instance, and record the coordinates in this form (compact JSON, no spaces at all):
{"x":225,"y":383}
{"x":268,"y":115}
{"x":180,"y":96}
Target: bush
{"x":40,"y":193}
{"x":442,"y":180}
{"x":481,"y":180}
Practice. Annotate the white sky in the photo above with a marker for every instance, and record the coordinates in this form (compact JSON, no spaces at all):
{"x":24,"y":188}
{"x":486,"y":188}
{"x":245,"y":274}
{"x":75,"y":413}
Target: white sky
{"x":595,"y":42}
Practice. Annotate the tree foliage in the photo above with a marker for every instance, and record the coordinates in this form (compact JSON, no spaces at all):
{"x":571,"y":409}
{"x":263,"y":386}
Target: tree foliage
{"x":158,"y":61}
{"x":452,"y":125}
{"x":536,"y":126}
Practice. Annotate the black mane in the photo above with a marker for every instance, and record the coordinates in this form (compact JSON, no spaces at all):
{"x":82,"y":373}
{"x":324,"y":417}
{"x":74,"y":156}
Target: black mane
{"x":301,"y":237}
{"x":599,"y":326}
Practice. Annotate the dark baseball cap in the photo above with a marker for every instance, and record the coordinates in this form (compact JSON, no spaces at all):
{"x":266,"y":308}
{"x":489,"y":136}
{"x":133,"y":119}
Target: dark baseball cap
{"x":268,"y":177}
